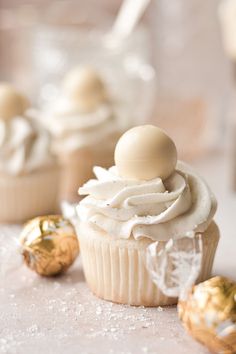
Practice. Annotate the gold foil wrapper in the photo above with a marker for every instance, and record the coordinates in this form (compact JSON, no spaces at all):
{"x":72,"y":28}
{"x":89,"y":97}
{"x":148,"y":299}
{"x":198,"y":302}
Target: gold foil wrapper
{"x":49,"y":244}
{"x":209,"y":314}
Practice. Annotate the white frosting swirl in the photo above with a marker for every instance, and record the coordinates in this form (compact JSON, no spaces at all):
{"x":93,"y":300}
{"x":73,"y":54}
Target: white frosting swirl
{"x":154,"y":209}
{"x":72,"y":130}
{"x":24,"y":146}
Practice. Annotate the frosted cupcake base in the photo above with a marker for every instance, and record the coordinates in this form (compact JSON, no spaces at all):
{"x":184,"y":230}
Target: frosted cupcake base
{"x":115,"y":270}
{"x":24,"y":197}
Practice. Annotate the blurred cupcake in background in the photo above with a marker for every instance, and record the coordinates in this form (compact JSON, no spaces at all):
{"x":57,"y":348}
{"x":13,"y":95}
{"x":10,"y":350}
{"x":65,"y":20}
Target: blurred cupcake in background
{"x":227,"y":15}
{"x":29,"y":174}
{"x":84,"y":127}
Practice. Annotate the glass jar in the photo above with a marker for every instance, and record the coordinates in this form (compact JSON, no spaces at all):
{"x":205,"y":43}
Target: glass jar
{"x":192,"y":74}
{"x":84,"y":39}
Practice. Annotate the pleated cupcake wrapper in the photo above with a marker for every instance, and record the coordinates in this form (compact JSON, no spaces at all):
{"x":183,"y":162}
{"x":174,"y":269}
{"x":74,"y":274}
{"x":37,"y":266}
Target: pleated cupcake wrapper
{"x":77,"y":166}
{"x":24,"y":197}
{"x":115,"y":270}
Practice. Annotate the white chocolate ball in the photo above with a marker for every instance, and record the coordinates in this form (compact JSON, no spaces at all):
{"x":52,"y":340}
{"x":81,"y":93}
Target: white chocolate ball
{"x":84,"y":86}
{"x":145,"y":152}
{"x":12,"y":103}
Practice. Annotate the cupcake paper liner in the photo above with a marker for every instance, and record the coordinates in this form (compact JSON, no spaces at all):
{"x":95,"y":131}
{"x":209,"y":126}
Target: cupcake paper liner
{"x":77,"y":166}
{"x":115,"y":270}
{"x":24,"y":197}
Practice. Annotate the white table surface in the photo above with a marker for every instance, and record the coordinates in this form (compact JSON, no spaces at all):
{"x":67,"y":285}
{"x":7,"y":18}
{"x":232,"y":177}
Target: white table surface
{"x":60,"y":315}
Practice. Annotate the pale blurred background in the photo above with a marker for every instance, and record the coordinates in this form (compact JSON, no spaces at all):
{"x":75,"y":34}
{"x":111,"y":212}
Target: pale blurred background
{"x":173,"y":66}
{"x":172,"y":71}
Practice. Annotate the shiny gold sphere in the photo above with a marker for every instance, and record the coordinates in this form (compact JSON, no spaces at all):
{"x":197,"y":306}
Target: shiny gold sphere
{"x":84,"y":86}
{"x":12,"y":103}
{"x":145,"y":152}
{"x":209,"y":314}
{"x":49,"y":244}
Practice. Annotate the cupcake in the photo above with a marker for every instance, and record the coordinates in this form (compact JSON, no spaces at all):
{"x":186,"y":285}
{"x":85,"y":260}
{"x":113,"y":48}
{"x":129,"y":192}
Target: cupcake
{"x":147,"y":196}
{"x":84,"y":129}
{"x":227,"y":16}
{"x":29,"y":174}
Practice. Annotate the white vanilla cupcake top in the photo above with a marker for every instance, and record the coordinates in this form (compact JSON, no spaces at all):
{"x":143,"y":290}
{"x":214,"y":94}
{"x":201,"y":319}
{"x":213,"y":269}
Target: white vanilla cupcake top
{"x":24,"y":146}
{"x":146,"y":194}
{"x":82,"y":116}
{"x":227,"y":15}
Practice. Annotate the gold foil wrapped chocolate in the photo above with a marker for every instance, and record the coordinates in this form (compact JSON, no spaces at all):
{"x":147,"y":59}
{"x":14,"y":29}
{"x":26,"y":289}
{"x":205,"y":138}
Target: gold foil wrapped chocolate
{"x":209,"y":314}
{"x":49,"y":244}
